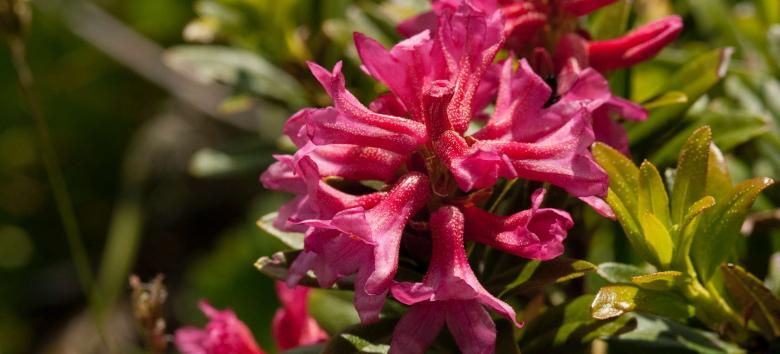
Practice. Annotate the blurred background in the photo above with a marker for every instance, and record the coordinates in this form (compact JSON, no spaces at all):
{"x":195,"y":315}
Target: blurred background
{"x":163,"y":113}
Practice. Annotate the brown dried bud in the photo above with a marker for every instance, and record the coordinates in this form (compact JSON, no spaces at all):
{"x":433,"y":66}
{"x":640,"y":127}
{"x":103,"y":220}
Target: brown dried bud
{"x":147,"y":301}
{"x":15,"y":16}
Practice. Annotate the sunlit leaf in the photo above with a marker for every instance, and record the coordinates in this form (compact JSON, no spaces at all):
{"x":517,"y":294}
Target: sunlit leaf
{"x":615,"y":300}
{"x":535,"y":274}
{"x":670,"y":98}
{"x":715,"y":239}
{"x":657,"y":239}
{"x":619,"y":272}
{"x":660,"y":281}
{"x":690,"y":179}
{"x":718,"y":178}
{"x":652,"y":197}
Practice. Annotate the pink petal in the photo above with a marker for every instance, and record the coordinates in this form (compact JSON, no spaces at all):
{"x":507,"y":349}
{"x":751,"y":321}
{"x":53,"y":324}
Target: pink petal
{"x":292,"y":326}
{"x":535,"y":233}
{"x":471,"y":327}
{"x":224,"y":333}
{"x":583,"y":7}
{"x":636,"y":46}
{"x":353,"y":162}
{"x":418,"y":328}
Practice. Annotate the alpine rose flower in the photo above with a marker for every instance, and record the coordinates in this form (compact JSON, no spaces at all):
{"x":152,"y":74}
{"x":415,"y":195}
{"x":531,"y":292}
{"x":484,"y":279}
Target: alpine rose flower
{"x":292,"y":326}
{"x":224,"y":334}
{"x":449,"y":293}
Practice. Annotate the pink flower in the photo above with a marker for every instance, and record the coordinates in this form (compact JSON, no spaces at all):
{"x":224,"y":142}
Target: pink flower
{"x":449,"y":293}
{"x":224,"y":334}
{"x":362,"y":241}
{"x":537,"y":233}
{"x":637,"y":46}
{"x":292,"y":326}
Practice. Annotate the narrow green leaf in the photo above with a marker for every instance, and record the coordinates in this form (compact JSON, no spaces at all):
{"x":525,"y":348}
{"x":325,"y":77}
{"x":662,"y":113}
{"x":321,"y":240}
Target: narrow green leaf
{"x":309,"y":349}
{"x":718,"y":177}
{"x":623,"y":175}
{"x":753,"y":298}
{"x":687,"y":229}
{"x":367,"y":336}
{"x":657,"y":240}
{"x":292,"y":239}
{"x":535,"y":274}
{"x":652,"y":197}
{"x":619,"y":272}
{"x":715,"y":239}
{"x":691,"y":177}
{"x":694,"y":79}
{"x":615,"y":300}
{"x":365,"y":346}
{"x":670,"y":98}
{"x":660,"y":281}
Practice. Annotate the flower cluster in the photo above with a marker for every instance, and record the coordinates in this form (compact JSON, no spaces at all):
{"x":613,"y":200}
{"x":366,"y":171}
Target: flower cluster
{"x":454,"y":122}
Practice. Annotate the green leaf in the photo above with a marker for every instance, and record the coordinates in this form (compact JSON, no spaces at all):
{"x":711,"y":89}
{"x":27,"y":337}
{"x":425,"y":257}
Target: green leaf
{"x":566,"y":328}
{"x":292,"y":239}
{"x":611,"y":21}
{"x":619,"y":272}
{"x":652,"y":197}
{"x":365,"y":346}
{"x":309,"y":349}
{"x":657,"y":240}
{"x":535,"y":274}
{"x":660,"y":281}
{"x":615,"y":300}
{"x":670,"y":98}
{"x":237,"y":68}
{"x":693,"y":80}
{"x":753,"y":298}
{"x":718,"y":177}
{"x":691,"y":176}
{"x":332,"y":309}
{"x":717,"y":234}
{"x":653,"y":335}
{"x":351,"y":339}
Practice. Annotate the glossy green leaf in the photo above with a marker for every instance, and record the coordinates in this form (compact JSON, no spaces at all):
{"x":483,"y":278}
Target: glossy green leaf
{"x":615,"y":300}
{"x":619,"y":272}
{"x":535,"y":274}
{"x":753,"y":298}
{"x":237,"y":67}
{"x":566,"y":328}
{"x":657,"y":240}
{"x":694,"y":79}
{"x":718,"y":178}
{"x":652,"y":197}
{"x":715,"y":238}
{"x":292,"y":239}
{"x":653,"y":335}
{"x":660,"y":281}
{"x":691,"y":176}
{"x":373,"y":336}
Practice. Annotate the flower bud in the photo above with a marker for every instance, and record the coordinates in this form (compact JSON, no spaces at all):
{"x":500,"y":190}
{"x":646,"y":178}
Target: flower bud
{"x":636,"y":46}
